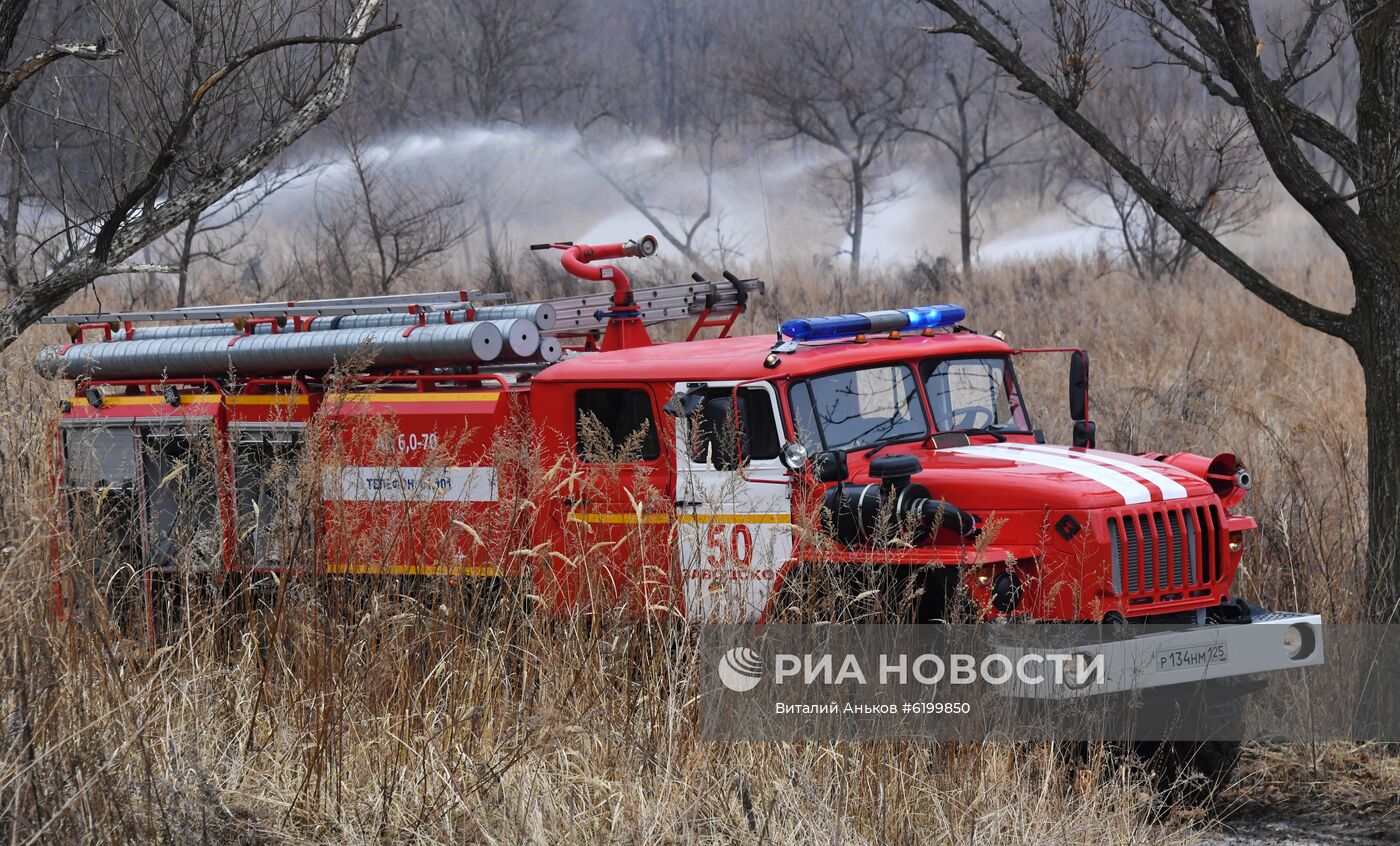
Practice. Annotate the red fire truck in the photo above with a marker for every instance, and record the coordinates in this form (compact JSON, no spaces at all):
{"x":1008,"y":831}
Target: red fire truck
{"x":459,"y":435}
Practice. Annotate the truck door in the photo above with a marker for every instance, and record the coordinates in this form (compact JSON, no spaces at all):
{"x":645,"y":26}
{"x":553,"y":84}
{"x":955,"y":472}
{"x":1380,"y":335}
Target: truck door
{"x":733,"y":499}
{"x":620,"y":513}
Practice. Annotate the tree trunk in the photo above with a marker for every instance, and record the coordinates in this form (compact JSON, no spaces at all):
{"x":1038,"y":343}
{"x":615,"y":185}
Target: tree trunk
{"x":1375,"y":321}
{"x":1378,"y":350}
{"x":965,"y":217}
{"x":964,"y":158}
{"x":186,"y":247}
{"x":495,"y":270}
{"x":9,"y":240}
{"x":669,"y":73}
{"x":857,"y":231}
{"x":14,"y":201}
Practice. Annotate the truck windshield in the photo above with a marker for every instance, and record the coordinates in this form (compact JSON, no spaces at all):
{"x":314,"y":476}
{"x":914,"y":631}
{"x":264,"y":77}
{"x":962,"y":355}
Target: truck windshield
{"x":859,"y":408}
{"x":974,"y":394}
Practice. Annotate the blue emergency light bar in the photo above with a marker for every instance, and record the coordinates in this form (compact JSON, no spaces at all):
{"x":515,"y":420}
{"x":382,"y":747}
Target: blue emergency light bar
{"x":869,"y":322}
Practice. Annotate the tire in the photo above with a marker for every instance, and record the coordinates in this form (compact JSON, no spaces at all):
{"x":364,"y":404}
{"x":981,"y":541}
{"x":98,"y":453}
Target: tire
{"x":1197,"y":770}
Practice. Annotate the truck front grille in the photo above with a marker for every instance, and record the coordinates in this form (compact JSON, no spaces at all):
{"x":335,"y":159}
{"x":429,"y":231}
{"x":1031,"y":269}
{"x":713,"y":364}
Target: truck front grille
{"x":1162,"y":553}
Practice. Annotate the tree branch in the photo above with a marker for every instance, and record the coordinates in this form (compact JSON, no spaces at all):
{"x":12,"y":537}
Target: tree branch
{"x":118,"y":270}
{"x":12,"y":14}
{"x":638,"y":202}
{"x":1305,"y":124}
{"x":12,"y":80}
{"x":83,"y":264}
{"x":1181,"y":219}
{"x":102,"y":241}
{"x":1231,"y":46}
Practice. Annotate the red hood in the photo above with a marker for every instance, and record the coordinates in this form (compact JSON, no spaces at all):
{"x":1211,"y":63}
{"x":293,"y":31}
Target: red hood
{"x":1017,"y":476}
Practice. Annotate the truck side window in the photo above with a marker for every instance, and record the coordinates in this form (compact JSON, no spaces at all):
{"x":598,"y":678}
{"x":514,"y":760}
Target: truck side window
{"x":764,"y":442}
{"x":714,"y":436}
{"x":614,"y":425}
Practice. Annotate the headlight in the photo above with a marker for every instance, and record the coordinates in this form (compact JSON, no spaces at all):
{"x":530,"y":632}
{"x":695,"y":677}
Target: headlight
{"x":1080,"y":673}
{"x":1299,"y":641}
{"x":1236,"y":541}
{"x":794,"y":455}
{"x":1006,"y":592}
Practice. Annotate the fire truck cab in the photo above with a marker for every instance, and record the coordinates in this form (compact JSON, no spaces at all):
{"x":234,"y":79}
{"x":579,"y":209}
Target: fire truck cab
{"x":763,"y":459}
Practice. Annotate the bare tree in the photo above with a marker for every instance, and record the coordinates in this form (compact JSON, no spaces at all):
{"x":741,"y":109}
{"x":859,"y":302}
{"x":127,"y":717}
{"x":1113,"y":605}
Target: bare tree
{"x":218,"y":234}
{"x":641,"y":187}
{"x":845,"y":77}
{"x":12,"y":19}
{"x":679,"y":45}
{"x":494,"y":62}
{"x":1340,"y":99}
{"x":658,"y":186}
{"x":506,"y":63}
{"x":1221,"y":46}
{"x":28,"y":131}
{"x":1204,"y":156}
{"x":212,"y":234}
{"x":975,"y":124}
{"x":134,"y":171}
{"x":375,"y":226}
{"x":18,"y":190}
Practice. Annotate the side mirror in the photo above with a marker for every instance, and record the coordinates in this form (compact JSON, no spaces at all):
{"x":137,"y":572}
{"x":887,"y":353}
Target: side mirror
{"x":831,"y":466}
{"x":1084,"y":433}
{"x":682,"y":404}
{"x":1084,"y":429}
{"x":726,"y":446}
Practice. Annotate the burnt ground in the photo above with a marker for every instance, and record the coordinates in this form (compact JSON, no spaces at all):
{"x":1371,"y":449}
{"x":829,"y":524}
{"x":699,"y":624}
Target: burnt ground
{"x":1272,"y":827}
{"x":1338,"y":794}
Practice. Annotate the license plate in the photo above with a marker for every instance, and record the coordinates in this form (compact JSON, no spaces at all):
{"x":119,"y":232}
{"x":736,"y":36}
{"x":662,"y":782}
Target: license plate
{"x":1191,"y":657}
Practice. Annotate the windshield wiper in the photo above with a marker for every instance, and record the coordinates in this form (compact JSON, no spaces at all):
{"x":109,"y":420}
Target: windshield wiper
{"x":874,"y":450}
{"x":994,"y":430}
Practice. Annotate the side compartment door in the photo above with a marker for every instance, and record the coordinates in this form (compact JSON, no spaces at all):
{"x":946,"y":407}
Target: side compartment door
{"x":179,"y":483}
{"x":102,"y":515}
{"x":274,"y":497}
{"x":733,"y":499}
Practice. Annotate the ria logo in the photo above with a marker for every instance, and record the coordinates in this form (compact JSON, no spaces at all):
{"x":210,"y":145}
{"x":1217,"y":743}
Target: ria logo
{"x":740,"y":669}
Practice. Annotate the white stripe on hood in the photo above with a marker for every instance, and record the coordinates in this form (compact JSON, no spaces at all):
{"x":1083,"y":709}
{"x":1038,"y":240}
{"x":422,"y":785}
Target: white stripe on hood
{"x":1170,"y":488}
{"x":1132,"y":491}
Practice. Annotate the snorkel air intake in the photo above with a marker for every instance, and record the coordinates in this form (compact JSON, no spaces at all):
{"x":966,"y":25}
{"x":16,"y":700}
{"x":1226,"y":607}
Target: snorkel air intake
{"x":857,"y":514}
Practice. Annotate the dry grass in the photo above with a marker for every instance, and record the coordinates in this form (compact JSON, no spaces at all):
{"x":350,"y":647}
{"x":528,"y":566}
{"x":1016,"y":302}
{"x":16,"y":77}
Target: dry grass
{"x":360,"y":712}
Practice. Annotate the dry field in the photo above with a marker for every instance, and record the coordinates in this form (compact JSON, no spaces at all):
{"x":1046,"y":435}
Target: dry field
{"x":355,"y":713}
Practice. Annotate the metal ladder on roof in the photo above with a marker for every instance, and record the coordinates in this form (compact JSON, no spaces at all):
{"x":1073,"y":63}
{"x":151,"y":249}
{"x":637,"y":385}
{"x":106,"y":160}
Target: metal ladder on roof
{"x":717,"y":305}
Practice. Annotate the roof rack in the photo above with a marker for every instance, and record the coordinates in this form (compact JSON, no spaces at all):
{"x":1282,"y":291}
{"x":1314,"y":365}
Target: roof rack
{"x":574,"y":315}
{"x":522,"y":335}
{"x":390,"y":304}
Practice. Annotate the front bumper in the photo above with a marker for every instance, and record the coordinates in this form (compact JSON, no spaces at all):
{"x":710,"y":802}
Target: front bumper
{"x":1117,"y":662}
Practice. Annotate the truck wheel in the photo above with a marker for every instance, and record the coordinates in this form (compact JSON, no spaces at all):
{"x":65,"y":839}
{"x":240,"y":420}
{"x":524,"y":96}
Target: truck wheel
{"x":1196,"y":770}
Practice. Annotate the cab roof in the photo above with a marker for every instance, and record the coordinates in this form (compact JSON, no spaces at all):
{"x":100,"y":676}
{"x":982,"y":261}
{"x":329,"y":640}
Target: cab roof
{"x":738,"y":359}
